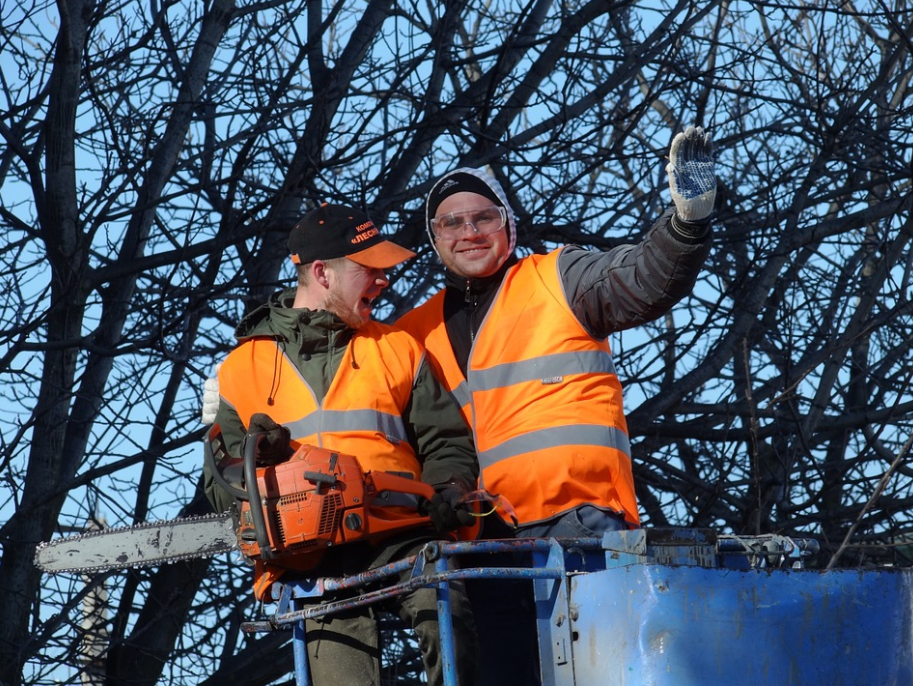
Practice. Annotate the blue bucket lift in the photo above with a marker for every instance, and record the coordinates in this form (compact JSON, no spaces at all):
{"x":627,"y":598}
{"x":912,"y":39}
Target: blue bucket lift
{"x":664,"y":607}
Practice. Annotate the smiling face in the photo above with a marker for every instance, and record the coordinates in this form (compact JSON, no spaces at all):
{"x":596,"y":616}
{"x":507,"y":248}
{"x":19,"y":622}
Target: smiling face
{"x":472,"y":254}
{"x":352,"y":289}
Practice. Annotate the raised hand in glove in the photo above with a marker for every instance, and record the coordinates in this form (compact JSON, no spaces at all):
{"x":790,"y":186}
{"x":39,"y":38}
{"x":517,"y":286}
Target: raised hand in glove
{"x":445,"y":509}
{"x":691,"y":178}
{"x":274,"y":444}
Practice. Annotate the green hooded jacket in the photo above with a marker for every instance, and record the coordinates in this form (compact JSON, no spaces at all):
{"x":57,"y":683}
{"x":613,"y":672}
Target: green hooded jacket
{"x":317,"y":341}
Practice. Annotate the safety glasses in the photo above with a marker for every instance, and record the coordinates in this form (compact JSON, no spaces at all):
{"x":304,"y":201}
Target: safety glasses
{"x":483,"y":221}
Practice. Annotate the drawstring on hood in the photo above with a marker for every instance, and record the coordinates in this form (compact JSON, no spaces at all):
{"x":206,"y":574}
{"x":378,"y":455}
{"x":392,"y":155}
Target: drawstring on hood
{"x":351,"y":347}
{"x":274,"y":382}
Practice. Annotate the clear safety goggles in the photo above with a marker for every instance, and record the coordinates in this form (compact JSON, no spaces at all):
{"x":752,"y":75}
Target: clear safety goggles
{"x":483,"y":221}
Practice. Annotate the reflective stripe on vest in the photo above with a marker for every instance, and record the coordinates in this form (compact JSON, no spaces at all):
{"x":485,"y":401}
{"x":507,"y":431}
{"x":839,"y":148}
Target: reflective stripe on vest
{"x":320,"y":421}
{"x":551,"y":369}
{"x":556,"y":437}
{"x":548,"y":369}
{"x":461,"y":394}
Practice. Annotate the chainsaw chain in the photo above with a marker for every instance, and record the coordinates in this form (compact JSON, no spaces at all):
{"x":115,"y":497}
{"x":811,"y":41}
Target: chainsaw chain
{"x":148,"y":562}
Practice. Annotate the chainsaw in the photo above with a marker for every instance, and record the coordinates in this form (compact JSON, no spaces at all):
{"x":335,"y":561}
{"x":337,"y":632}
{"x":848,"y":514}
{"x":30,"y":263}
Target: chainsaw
{"x":289,"y":512}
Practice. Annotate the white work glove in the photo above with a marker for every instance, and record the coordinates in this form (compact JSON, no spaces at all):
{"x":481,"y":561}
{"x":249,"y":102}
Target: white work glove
{"x":211,"y":397}
{"x":691,"y":178}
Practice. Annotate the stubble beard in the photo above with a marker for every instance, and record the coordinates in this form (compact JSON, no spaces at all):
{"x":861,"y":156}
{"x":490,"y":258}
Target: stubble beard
{"x":335,"y":304}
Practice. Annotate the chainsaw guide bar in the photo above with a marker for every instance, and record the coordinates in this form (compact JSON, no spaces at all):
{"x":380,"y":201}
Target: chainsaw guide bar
{"x":142,"y":545}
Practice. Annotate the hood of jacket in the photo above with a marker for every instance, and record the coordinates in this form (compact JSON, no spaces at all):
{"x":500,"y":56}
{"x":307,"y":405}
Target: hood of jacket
{"x":312,"y":330}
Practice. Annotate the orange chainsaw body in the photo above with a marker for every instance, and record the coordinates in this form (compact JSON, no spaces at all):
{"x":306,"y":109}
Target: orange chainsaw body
{"x":320,"y":498}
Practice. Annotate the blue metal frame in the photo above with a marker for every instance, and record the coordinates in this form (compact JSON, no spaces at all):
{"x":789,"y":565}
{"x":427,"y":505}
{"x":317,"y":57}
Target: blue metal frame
{"x":665,"y":607}
{"x":292,"y":597}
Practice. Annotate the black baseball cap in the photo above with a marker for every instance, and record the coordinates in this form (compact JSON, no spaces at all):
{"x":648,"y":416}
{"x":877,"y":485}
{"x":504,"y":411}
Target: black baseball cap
{"x":332,"y":231}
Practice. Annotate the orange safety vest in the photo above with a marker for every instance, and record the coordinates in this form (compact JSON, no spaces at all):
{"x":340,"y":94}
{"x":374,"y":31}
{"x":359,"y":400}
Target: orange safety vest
{"x":542,"y":398}
{"x":360,"y":415}
{"x":362,"y":412}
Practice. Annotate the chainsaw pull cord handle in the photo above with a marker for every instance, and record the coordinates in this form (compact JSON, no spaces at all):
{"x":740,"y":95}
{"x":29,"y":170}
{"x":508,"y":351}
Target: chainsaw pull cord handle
{"x":253,"y":493}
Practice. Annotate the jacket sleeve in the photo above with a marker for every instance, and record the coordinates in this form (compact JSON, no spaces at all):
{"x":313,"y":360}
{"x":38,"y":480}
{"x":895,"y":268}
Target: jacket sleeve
{"x":633,"y":284}
{"x":438,"y":433}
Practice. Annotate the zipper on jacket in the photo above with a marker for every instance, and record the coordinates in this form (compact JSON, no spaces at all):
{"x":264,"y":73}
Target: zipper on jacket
{"x":471,"y":300}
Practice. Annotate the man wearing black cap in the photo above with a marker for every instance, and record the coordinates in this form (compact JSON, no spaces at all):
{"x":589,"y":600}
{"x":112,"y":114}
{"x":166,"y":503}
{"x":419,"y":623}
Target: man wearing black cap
{"x":312,"y":368}
{"x":522,"y":344}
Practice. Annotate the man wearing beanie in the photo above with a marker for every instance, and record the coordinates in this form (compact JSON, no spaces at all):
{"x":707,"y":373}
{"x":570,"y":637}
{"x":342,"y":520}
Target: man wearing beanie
{"x":312,"y":368}
{"x":522,"y":344}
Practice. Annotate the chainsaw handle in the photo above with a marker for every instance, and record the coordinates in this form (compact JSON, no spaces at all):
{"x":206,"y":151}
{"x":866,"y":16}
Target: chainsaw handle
{"x":385,"y":481}
{"x":377,"y":483}
{"x":253,"y":493}
{"x":214,"y":438}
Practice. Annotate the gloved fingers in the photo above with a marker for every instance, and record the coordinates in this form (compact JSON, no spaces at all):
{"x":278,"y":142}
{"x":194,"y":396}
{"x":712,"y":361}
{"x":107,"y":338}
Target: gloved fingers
{"x":446,"y":508}
{"x":430,"y":507}
{"x":277,"y":439}
{"x":450,"y":494}
{"x":261,"y":422}
{"x":464,"y":517}
{"x":697,"y":144}
{"x":272,"y":453}
{"x":691,"y":145}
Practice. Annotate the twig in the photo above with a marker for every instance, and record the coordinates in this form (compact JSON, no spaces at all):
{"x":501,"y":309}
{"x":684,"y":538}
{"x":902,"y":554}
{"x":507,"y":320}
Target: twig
{"x":882,"y":484}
